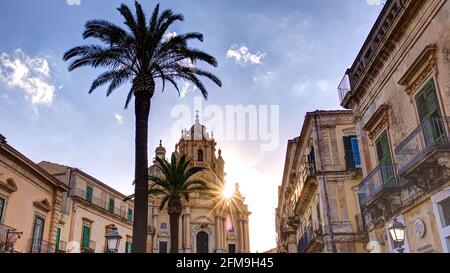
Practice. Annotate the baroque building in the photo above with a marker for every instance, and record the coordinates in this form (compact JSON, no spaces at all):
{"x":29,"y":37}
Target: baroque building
{"x":317,"y":201}
{"x":30,"y":204}
{"x":89,"y":210}
{"x":399,"y":91}
{"x":206,"y":225}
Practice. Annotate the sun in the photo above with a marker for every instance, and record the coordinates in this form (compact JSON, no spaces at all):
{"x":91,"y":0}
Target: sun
{"x":228,"y":190}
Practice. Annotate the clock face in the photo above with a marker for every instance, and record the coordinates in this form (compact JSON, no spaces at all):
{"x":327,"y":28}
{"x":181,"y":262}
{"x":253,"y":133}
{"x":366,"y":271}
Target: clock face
{"x":419,"y":228}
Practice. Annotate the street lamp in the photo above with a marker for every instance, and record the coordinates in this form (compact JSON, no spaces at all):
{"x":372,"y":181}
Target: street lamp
{"x":397,"y":233}
{"x":112,"y":240}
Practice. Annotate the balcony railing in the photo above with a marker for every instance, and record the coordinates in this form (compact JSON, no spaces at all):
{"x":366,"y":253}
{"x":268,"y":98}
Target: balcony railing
{"x":430,"y":136}
{"x":381,"y":179}
{"x":88,"y":247}
{"x":37,"y":245}
{"x":344,"y":88}
{"x":200,"y":164}
{"x":306,"y":239}
{"x":8,"y":237}
{"x":99,"y":202}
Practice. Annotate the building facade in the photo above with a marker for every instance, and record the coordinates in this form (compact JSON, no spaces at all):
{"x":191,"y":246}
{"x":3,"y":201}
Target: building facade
{"x":318,"y":207}
{"x":218,"y":225}
{"x":30,"y":204}
{"x":89,"y":211}
{"x":399,"y":91}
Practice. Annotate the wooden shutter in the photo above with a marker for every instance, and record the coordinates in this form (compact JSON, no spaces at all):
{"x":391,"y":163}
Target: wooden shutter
{"x":130,"y":215}
{"x":111,"y":205}
{"x":349,"y":160}
{"x":384,"y":157}
{"x":429,"y":112}
{"x":86,"y":236}
{"x":58,"y":238}
{"x":89,"y":191}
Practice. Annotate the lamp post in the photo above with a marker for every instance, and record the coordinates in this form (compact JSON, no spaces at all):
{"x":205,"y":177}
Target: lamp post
{"x":112,"y":240}
{"x":397,"y":233}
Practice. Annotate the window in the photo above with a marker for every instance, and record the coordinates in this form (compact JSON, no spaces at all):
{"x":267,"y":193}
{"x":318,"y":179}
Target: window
{"x":85,"y":241}
{"x":352,"y":156}
{"x":58,"y":239}
{"x":2,"y":206}
{"x":445,"y":210}
{"x":111,"y":205}
{"x":429,"y":113}
{"x":199,"y":155}
{"x":38,"y":230}
{"x":385,"y":160}
{"x":163,"y":226}
{"x":130,"y":215}
{"x":231,"y":248}
{"x":128,"y":247}
{"x":89,"y":191}
{"x":162,"y":247}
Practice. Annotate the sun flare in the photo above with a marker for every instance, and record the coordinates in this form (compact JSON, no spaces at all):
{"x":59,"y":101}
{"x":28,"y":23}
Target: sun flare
{"x":228,"y":190}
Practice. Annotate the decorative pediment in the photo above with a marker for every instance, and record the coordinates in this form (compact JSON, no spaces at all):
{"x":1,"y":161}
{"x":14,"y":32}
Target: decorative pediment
{"x":9,"y":186}
{"x":421,"y":69}
{"x":378,"y":121}
{"x":43,"y":204}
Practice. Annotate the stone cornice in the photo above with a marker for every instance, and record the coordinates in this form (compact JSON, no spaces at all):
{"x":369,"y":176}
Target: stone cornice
{"x":420,"y":70}
{"x":378,"y":121}
{"x":381,"y":41}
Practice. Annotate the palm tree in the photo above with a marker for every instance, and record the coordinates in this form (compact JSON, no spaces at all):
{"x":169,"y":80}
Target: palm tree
{"x":175,"y":184}
{"x":143,"y":54}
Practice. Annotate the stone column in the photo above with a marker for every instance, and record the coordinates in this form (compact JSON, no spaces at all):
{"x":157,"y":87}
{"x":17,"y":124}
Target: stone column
{"x":246,"y":236}
{"x":187,"y":220}
{"x":218,"y":235}
{"x":155,"y":224}
{"x":224,"y":234}
{"x":180,"y":234}
{"x":241,"y":235}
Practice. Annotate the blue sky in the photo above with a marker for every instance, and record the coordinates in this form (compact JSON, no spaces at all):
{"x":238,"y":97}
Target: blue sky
{"x":287,"y":53}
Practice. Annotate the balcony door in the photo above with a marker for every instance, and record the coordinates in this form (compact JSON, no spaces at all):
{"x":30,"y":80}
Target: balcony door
{"x":385,"y":161}
{"x":38,"y":232}
{"x":429,"y":114}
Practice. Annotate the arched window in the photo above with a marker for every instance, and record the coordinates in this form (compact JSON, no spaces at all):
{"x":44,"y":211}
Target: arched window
{"x":199,"y":155}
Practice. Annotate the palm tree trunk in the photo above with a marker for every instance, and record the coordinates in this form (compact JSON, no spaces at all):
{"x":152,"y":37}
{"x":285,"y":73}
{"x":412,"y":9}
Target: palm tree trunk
{"x":142,"y":110}
{"x":174,"y":210}
{"x":174,"y":224}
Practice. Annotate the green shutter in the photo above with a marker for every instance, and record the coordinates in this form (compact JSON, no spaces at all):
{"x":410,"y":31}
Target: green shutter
{"x":2,"y":205}
{"x":130,"y":215}
{"x":349,"y":161}
{"x":128,"y":247}
{"x":89,"y":191}
{"x":111,"y":205}
{"x":429,"y":112}
{"x":58,"y":238}
{"x":385,"y":161}
{"x":86,"y":236}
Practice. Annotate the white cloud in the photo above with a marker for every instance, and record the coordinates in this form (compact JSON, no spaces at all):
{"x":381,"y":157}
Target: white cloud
{"x":169,"y":35}
{"x":186,"y":88}
{"x":29,"y":74}
{"x":300,"y":88}
{"x":119,"y":118}
{"x":374,"y":2}
{"x":73,"y":2}
{"x":242,"y":55}
{"x":323,"y":85}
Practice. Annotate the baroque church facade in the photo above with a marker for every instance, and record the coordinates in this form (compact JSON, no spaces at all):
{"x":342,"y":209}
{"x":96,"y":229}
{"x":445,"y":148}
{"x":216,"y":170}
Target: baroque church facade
{"x":207,"y":225}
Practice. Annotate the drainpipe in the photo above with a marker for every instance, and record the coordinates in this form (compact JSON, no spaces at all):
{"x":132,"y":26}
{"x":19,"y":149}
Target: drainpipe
{"x":322,"y":169}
